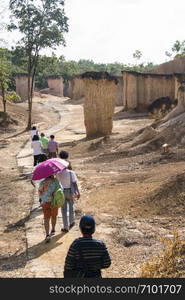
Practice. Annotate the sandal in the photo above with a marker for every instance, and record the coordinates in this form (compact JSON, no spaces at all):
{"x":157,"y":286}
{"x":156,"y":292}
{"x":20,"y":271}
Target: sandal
{"x":72,"y":224}
{"x":52,"y":232}
{"x":47,"y":239}
{"x":64,"y":230}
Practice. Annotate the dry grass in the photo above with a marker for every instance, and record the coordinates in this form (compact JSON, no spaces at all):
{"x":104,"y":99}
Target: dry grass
{"x":169,"y":263}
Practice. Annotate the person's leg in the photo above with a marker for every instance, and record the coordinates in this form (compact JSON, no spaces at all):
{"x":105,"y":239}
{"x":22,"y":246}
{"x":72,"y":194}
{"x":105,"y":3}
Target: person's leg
{"x":53,"y":155}
{"x":47,"y":215}
{"x":54,"y":213}
{"x":42,"y":157}
{"x":46,"y":225}
{"x":37,"y":157}
{"x":35,"y":160}
{"x":53,"y":223}
{"x":64,"y":215}
{"x":71,"y":212}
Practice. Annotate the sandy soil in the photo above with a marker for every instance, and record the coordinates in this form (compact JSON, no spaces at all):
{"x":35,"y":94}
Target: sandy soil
{"x":131,"y":197}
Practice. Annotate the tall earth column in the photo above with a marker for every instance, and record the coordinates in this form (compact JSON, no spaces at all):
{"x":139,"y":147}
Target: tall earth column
{"x":100,"y":97}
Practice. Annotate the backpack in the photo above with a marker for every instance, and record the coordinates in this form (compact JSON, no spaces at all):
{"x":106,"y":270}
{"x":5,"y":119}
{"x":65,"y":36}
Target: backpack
{"x":58,"y":198}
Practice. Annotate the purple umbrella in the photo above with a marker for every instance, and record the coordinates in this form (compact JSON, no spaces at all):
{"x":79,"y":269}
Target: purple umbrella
{"x":49,"y":167}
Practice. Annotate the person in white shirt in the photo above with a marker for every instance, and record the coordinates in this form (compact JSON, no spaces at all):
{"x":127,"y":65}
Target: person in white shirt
{"x":37,"y":149}
{"x":34,"y":131}
{"x":67,"y":178}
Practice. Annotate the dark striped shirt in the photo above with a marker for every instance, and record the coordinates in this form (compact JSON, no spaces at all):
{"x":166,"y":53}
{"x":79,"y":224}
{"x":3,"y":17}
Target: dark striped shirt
{"x":94,"y":257}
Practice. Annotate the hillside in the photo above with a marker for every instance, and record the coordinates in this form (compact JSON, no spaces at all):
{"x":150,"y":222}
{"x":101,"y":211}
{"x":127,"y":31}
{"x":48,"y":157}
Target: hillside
{"x":173,"y":66}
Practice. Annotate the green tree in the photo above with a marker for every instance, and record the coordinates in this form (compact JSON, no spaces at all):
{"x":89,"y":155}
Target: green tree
{"x":69,"y":69}
{"x":18,"y":58}
{"x":115,"y":68}
{"x":178,"y":49}
{"x":46,"y":66}
{"x":5,"y":69}
{"x":42,"y":24}
{"x":137,"y":55}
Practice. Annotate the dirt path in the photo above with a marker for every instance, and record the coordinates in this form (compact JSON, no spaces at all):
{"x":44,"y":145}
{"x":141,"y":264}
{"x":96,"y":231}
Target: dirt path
{"x":114,"y":188}
{"x":46,"y":260}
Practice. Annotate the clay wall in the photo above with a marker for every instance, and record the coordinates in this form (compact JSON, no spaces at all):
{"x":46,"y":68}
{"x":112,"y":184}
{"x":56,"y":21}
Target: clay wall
{"x":141,"y":89}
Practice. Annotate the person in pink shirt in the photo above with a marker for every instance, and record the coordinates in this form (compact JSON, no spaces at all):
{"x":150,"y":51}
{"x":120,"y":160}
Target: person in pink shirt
{"x":52,"y":147}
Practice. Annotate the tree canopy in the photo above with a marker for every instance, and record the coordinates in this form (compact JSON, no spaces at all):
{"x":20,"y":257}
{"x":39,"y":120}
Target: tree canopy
{"x":178,"y":49}
{"x":53,"y":65}
{"x":42,"y":24}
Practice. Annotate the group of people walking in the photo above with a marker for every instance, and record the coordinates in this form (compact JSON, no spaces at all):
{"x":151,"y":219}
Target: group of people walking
{"x":86,"y":256}
{"x":43,"y":147}
{"x":46,"y":189}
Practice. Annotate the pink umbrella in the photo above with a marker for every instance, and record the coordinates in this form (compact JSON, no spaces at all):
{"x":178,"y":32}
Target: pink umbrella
{"x":49,"y":167}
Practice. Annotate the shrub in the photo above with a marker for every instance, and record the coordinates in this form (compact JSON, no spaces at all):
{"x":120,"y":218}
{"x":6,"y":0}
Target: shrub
{"x":13,"y":97}
{"x":169,"y":263}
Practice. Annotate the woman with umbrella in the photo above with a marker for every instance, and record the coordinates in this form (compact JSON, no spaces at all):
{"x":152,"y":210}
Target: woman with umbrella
{"x":46,"y":170}
{"x":46,"y":189}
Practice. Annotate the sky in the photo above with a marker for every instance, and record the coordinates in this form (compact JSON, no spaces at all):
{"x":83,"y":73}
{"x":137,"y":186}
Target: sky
{"x":108,"y":31}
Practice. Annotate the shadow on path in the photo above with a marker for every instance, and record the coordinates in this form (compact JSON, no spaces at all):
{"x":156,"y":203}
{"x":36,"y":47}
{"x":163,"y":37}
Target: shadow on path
{"x":13,"y":226}
{"x":17,"y":134}
{"x":19,"y":261}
